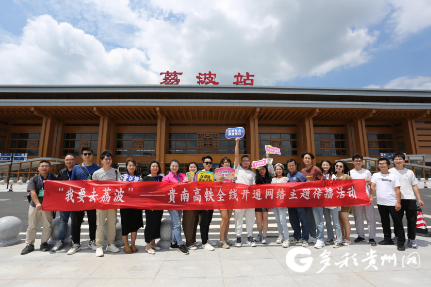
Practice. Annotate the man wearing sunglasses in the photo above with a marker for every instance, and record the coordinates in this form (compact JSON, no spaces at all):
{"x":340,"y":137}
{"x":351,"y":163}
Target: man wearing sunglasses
{"x":206,"y":215}
{"x":35,"y":213}
{"x":84,"y":171}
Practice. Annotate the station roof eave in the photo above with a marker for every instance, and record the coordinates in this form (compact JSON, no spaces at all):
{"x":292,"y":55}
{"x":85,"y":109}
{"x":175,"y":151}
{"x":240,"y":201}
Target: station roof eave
{"x":220,"y":89}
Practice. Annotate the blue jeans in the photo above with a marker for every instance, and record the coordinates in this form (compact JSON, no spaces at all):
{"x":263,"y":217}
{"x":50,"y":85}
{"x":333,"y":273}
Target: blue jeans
{"x":311,"y":223}
{"x":336,"y":223}
{"x":64,"y":218}
{"x":329,"y":227}
{"x":176,"y":226}
{"x":298,"y":220}
{"x":280,"y":218}
{"x":318,"y":218}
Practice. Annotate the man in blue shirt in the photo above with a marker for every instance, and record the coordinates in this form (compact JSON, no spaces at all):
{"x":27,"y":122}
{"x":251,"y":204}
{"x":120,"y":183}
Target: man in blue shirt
{"x":297,"y":215}
{"x":83,"y":171}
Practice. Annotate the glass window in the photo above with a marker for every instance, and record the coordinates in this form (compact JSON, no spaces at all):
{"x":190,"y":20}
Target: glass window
{"x":33,"y":136}
{"x":285,"y":136}
{"x":275,"y":136}
{"x":192,"y":144}
{"x":148,"y":144}
{"x":181,"y":136}
{"x":139,"y":136}
{"x":372,"y":137}
{"x":127,"y":144}
{"x":316,"y":136}
{"x":128,"y":136}
{"x":95,"y":136}
{"x":286,"y":144}
{"x":193,"y":136}
{"x":265,"y":136}
{"x":180,"y":144}
{"x":324,"y":136}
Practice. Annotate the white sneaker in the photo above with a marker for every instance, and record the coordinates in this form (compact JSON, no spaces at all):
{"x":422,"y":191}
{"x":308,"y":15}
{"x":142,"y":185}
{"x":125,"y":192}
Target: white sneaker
{"x":312,"y":240}
{"x":192,"y":247}
{"x":57,"y":246}
{"x":319,"y":244}
{"x":251,"y":241}
{"x":212,"y":243}
{"x":99,"y":252}
{"x":112,"y":248}
{"x":280,"y":239}
{"x":258,"y":238}
{"x":75,"y":248}
{"x":286,"y":244}
{"x":263,"y":239}
{"x":92,"y":245}
{"x":209,"y":247}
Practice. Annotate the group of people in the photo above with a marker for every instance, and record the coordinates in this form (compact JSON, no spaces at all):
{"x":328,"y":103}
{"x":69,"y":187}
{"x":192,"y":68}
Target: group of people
{"x":396,"y":190}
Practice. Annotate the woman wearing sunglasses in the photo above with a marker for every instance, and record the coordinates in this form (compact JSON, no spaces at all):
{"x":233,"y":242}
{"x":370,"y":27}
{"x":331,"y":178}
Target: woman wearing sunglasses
{"x":341,"y":172}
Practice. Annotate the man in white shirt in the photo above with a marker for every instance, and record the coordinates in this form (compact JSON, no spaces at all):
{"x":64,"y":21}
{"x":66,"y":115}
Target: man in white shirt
{"x":245,"y":176}
{"x":106,"y":173}
{"x":409,"y":188}
{"x":360,"y":211}
{"x":388,"y":191}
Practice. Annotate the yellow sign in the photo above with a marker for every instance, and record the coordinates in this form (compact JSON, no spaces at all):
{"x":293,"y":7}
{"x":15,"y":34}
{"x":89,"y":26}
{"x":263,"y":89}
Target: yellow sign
{"x":205,"y":176}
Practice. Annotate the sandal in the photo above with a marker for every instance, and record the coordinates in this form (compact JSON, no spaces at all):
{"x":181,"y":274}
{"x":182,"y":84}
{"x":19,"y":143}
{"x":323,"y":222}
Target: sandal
{"x":127,"y":249}
{"x":134,"y":249}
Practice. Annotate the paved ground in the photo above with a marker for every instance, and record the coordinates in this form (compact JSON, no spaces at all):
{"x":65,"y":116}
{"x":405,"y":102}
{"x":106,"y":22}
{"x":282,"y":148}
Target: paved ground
{"x":245,"y":266}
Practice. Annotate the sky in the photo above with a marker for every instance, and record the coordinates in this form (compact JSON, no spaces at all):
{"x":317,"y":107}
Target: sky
{"x":314,"y":43}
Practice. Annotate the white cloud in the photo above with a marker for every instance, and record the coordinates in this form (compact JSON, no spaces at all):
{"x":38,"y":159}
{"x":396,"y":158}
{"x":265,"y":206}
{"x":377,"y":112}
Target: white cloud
{"x":416,"y":83}
{"x":275,"y":40}
{"x":410,"y":17}
{"x":57,"y":53}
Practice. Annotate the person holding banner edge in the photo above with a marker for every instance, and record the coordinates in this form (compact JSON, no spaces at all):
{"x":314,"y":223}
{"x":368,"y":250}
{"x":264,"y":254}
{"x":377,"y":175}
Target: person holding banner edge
{"x":153,"y":218}
{"x":245,"y":176}
{"x":35,"y":213}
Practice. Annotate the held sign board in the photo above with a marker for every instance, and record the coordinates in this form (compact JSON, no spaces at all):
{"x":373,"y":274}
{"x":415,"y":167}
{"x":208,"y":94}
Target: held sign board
{"x":272,"y":150}
{"x":258,"y":163}
{"x":233,"y":133}
{"x":226,"y":172}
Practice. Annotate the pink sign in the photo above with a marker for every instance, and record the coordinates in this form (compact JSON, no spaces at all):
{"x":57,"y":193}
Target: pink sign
{"x":256,"y":164}
{"x":226,"y":172}
{"x":272,"y":150}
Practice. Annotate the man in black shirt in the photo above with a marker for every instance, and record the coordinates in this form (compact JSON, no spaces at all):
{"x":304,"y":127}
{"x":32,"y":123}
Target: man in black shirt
{"x":65,"y":174}
{"x":36,"y":188}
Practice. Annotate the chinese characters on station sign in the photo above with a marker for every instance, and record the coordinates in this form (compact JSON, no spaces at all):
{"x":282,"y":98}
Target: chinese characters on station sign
{"x":206,"y":79}
{"x":171,"y":78}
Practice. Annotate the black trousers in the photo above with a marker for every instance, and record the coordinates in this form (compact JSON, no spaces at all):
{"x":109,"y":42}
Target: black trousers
{"x":408,"y":206}
{"x":385,"y":211}
{"x":153,"y":220}
{"x":206,"y":218}
{"x":78,"y":217}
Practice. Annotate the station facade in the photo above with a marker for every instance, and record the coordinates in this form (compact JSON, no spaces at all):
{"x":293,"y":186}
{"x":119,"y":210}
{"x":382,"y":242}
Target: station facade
{"x":185,"y":122}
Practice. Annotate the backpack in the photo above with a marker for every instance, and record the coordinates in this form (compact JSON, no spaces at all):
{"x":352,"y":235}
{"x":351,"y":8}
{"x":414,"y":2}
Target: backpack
{"x":36,"y":182}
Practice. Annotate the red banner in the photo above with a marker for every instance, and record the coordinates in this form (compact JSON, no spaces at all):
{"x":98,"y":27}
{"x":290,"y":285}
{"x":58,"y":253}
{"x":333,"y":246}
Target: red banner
{"x":87,"y":195}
